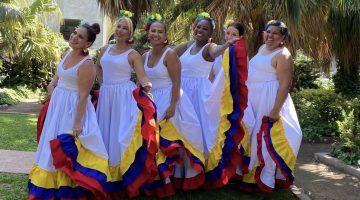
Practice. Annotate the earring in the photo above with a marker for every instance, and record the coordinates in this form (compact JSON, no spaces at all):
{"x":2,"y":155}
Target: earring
{"x":166,"y":41}
{"x":86,"y":51}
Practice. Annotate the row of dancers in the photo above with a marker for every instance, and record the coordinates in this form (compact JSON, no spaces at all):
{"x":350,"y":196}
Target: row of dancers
{"x":200,"y":118}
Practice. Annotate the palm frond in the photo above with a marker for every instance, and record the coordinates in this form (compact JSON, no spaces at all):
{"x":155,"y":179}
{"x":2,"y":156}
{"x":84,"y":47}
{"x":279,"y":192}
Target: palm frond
{"x":112,"y":8}
{"x":10,"y":13}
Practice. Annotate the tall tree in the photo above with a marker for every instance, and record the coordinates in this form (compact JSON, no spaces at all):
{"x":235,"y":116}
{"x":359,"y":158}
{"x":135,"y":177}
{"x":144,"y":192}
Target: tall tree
{"x":112,"y":7}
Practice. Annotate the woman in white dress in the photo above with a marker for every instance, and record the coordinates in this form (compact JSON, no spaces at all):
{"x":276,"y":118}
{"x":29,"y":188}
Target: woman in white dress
{"x":232,"y":31}
{"x":180,"y":131}
{"x":118,"y":115}
{"x":276,"y":137}
{"x":71,"y":161}
{"x":213,"y":102}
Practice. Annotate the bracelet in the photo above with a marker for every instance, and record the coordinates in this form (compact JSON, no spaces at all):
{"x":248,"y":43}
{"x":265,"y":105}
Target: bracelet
{"x":148,"y":84}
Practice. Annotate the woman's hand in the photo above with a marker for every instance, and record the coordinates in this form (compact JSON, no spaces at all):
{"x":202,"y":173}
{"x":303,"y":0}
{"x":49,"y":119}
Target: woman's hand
{"x":170,"y":112}
{"x":274,"y":116}
{"x":77,"y":129}
{"x":232,"y":41}
{"x":147,"y":87}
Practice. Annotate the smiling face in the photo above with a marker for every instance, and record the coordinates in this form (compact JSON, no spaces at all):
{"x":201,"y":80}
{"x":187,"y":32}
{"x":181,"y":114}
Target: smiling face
{"x":273,"y":37}
{"x":157,"y":34}
{"x":202,"y":31}
{"x":122,"y":31}
{"x":231,"y":33}
{"x":79,"y":38}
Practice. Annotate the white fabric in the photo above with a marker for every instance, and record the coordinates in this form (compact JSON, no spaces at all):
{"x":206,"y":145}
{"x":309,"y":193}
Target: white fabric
{"x":204,"y":95}
{"x":185,"y":119}
{"x":117,"y":111}
{"x":217,"y":65}
{"x":261,"y":69}
{"x":116,"y":68}
{"x":61,"y":115}
{"x":263,"y":86}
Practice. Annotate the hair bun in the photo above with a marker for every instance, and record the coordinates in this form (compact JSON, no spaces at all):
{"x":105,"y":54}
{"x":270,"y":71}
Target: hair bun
{"x":96,"y":28}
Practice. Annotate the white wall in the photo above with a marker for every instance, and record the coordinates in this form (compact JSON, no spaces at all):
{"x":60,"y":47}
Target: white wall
{"x":87,"y":10}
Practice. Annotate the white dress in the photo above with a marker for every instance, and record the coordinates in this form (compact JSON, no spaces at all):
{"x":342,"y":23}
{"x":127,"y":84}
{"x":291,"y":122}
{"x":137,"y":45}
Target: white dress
{"x":181,"y":136}
{"x":64,"y":166}
{"x":248,"y":120}
{"x":279,"y":142}
{"x":120,"y":123}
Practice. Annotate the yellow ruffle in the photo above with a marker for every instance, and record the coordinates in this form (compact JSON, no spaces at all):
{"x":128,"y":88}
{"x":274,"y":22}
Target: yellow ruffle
{"x":169,"y":132}
{"x":245,"y":141}
{"x":281,"y":145}
{"x":226,"y":108}
{"x":49,"y":180}
{"x":90,"y":160}
{"x":128,"y":157}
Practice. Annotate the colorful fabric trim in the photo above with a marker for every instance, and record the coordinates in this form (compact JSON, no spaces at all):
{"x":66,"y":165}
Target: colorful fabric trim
{"x":280,"y":152}
{"x":41,"y":119}
{"x":171,"y":144}
{"x":81,"y":172}
{"x":225,"y":156}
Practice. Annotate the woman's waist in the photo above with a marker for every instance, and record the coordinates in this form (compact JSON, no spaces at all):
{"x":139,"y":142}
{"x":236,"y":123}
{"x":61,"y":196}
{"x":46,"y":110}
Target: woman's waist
{"x":161,"y":84}
{"x":116,"y":82}
{"x":199,"y":72}
{"x":71,"y":86}
{"x":262,"y":83}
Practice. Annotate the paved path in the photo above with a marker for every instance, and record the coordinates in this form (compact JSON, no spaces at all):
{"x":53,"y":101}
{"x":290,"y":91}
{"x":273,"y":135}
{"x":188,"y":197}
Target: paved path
{"x":16,"y":161}
{"x":31,"y":106}
{"x":320,"y":181}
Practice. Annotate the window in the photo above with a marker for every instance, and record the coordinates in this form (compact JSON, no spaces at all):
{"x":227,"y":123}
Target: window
{"x":68,"y":27}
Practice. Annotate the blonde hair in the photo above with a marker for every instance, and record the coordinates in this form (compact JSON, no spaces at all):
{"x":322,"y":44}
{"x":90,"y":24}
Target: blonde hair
{"x":130,"y":24}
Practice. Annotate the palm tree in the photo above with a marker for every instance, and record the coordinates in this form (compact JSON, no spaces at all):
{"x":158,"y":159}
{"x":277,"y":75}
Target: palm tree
{"x":10,"y":16}
{"x":112,"y":7}
{"x":321,"y":28}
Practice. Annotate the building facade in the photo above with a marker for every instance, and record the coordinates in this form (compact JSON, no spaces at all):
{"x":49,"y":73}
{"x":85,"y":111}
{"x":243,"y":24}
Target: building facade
{"x":75,"y":11}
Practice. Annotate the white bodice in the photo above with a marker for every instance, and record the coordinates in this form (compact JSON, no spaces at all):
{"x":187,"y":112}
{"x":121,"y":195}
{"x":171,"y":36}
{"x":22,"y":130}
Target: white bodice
{"x":158,"y":74}
{"x":116,"y":68}
{"x":195,"y":66}
{"x":68,"y":77}
{"x":260,"y":68}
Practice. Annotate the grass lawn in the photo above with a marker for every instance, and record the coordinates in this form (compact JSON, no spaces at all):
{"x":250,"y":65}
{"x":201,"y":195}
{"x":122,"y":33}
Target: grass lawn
{"x":18,"y":132}
{"x":14,"y":186}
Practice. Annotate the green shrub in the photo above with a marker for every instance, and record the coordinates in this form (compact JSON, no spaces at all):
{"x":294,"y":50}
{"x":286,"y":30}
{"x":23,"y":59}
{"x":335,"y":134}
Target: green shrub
{"x":346,"y":83}
{"x":348,"y":148}
{"x":318,"y":110}
{"x":306,"y":73}
{"x":12,"y":96}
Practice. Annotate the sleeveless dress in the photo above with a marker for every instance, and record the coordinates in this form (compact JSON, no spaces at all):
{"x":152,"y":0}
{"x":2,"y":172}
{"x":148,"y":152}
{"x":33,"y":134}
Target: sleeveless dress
{"x":181,"y":136}
{"x":217,"y":106}
{"x":248,"y":119}
{"x":66,"y":166}
{"x":119,"y":120}
{"x":274,"y":145}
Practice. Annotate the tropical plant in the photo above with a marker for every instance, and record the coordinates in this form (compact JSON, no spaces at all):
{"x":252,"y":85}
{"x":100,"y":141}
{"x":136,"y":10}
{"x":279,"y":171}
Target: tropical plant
{"x":31,"y":49}
{"x":348,"y":149}
{"x":112,"y":8}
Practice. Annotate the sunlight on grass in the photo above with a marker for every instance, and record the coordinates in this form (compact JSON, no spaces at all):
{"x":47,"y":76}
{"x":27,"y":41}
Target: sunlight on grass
{"x":18,"y":132}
